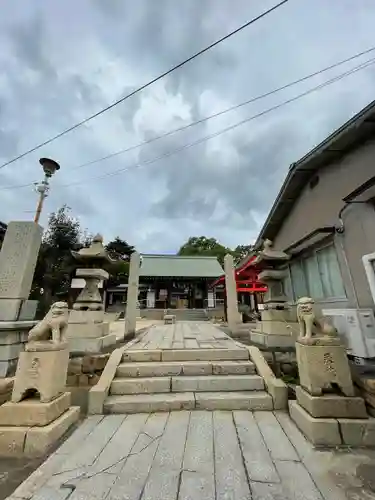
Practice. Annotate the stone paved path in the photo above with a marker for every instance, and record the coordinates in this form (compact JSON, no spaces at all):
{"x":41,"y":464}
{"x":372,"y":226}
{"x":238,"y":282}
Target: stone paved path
{"x":185,"y":335}
{"x":195,"y":455}
{"x":198,"y":455}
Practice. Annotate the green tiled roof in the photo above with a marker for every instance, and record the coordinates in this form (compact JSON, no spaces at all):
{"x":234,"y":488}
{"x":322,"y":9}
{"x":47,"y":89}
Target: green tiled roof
{"x":184,"y":266}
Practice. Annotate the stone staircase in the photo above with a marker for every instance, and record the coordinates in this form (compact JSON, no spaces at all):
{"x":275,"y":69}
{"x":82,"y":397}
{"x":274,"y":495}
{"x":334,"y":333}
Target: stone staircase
{"x":205,"y":379}
{"x":189,"y":314}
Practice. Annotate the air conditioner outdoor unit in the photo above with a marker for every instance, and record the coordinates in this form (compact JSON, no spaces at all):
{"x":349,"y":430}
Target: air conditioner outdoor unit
{"x":357,"y":329}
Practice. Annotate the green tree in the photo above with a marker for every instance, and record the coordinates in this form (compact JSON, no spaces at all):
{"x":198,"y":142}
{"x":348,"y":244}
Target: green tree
{"x":55,"y":264}
{"x":241,"y":251}
{"x":119,"y":249}
{"x":201,"y":245}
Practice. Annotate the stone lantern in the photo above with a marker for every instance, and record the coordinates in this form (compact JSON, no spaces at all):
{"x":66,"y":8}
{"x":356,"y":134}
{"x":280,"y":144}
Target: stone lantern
{"x":278,"y":327}
{"x":87,"y":331}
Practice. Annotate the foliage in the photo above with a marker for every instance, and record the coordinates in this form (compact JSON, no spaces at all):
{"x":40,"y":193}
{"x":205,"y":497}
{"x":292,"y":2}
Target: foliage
{"x":201,"y":245}
{"x":241,"y":251}
{"x":55,"y":264}
{"x":119,"y":249}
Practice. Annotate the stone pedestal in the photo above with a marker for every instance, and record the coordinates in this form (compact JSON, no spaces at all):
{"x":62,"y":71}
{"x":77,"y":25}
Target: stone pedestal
{"x":329,"y":418}
{"x":87,"y":332}
{"x":233,"y":316}
{"x":33,"y":365}
{"x":277,"y":328}
{"x":39,"y":412}
{"x":18,"y":258}
{"x":322,"y":365}
{"x":132,"y":297}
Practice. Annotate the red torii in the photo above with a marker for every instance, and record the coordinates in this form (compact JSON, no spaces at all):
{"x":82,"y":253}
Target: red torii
{"x":246,"y":277}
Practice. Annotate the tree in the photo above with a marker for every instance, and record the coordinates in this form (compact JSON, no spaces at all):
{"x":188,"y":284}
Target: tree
{"x":55,"y":264}
{"x":241,"y":251}
{"x":119,"y":249}
{"x":201,"y":245}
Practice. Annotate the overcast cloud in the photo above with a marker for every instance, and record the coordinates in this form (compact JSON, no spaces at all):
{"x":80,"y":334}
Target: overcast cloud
{"x":62,"y":61}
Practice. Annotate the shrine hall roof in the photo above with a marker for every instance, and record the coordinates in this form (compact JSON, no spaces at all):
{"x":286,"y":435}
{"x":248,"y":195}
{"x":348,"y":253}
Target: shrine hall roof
{"x":180,"y":266}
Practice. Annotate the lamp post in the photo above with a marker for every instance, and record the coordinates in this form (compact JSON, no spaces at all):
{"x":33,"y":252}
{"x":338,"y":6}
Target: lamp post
{"x":49,"y":168}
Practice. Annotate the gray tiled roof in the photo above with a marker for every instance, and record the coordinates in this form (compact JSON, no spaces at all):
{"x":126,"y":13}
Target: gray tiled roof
{"x":184,"y":266}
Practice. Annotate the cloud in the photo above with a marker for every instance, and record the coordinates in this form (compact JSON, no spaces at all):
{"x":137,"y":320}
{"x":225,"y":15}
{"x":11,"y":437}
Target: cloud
{"x":62,"y":62}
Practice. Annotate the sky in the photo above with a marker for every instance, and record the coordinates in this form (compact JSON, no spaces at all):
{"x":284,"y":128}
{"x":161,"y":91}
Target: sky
{"x":60,"y":62}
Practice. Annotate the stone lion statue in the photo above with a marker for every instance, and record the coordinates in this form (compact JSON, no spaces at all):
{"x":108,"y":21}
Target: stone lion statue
{"x":53,"y":326}
{"x":309,"y":324}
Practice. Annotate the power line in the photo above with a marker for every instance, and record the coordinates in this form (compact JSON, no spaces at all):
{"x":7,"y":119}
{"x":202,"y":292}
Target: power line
{"x":203,"y":120}
{"x":227,"y":110}
{"x":148,"y":84}
{"x":364,"y":65}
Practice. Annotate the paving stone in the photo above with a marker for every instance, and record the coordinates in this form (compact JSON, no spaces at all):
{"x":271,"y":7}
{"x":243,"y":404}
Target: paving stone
{"x":233,"y":368}
{"x":197,"y":478}
{"x":169,"y":456}
{"x":120,"y":445}
{"x":320,"y":431}
{"x":211,"y":383}
{"x":90,"y":448}
{"x":80,"y":435}
{"x":233,"y":400}
{"x":258,"y":462}
{"x":140,"y":385}
{"x":297,"y":482}
{"x":139,"y":403}
{"x":230,"y":474}
{"x":39,"y":477}
{"x":92,"y":487}
{"x":276,"y":440}
{"x":132,"y":478}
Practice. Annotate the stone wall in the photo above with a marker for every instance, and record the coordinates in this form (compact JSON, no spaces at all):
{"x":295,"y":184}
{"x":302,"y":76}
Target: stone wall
{"x":86,"y":370}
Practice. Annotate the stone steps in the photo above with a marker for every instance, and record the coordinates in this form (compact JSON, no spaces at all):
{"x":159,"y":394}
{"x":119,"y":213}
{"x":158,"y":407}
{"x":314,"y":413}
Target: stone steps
{"x":164,"y":402}
{"x":174,"y":368}
{"x":205,"y":383}
{"x":209,"y":355}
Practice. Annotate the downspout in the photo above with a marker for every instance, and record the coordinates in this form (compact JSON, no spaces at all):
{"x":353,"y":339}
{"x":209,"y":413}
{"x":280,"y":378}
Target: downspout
{"x":340,"y":230}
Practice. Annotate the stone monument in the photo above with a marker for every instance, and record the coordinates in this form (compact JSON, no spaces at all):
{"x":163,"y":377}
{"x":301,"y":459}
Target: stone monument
{"x":39,"y":412}
{"x":233,"y":316}
{"x":327,"y":410}
{"x":18,"y":258}
{"x":278,"y":326}
{"x":132,"y":297}
{"x":87,"y":330}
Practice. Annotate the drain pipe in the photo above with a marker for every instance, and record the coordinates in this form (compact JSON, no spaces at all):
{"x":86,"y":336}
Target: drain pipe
{"x":340,"y":229}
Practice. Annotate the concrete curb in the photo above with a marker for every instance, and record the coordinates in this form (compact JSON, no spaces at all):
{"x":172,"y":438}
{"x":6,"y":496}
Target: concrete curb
{"x":275,"y":386}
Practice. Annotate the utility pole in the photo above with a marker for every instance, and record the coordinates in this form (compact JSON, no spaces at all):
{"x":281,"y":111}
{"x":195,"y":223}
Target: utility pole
{"x":49,"y":168}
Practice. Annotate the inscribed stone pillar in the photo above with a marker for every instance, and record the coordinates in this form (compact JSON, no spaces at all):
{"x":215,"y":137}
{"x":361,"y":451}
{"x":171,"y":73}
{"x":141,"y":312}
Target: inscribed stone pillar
{"x":132,"y":300}
{"x":233,"y":315}
{"x":18,"y":258}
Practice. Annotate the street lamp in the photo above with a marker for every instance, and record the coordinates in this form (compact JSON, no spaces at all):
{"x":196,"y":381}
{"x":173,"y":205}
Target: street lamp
{"x":49,"y":168}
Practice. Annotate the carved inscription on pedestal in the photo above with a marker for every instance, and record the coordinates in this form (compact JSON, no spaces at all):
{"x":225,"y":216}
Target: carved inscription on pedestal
{"x":329,"y":363}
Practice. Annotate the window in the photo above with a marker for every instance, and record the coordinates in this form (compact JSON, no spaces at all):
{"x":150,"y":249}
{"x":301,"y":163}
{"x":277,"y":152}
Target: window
{"x":330,"y":273}
{"x":314,"y":284}
{"x":298,"y":279}
{"x":317,"y":275}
